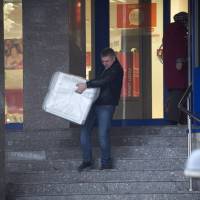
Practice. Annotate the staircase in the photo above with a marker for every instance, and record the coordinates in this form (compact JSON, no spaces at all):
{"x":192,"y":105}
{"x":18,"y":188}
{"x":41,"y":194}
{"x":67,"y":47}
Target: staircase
{"x":148,"y":165}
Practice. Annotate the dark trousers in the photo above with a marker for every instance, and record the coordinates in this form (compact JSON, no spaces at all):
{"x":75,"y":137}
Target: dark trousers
{"x":173,"y":113}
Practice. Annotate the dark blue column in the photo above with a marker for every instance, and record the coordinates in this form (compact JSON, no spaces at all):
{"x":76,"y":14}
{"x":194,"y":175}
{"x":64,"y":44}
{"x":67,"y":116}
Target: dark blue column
{"x":166,"y":21}
{"x":166,"y":13}
{"x":195,"y":27}
{"x":101,"y":31}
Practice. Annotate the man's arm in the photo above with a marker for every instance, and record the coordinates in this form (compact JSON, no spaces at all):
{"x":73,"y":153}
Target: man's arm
{"x":102,"y":81}
{"x":97,"y":83}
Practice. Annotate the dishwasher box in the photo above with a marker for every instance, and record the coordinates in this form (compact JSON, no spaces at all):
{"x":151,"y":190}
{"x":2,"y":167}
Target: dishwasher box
{"x":62,"y":100}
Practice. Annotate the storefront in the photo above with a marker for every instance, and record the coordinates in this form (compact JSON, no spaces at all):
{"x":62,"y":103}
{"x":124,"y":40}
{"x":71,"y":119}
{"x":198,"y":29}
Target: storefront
{"x":133,"y":28}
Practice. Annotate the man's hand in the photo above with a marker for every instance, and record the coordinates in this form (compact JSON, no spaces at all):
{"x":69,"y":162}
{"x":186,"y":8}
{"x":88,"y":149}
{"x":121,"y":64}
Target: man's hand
{"x":81,"y":87}
{"x":179,"y":66}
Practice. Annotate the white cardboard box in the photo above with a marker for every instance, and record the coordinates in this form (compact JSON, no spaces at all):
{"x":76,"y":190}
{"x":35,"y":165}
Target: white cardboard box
{"x":62,"y":100}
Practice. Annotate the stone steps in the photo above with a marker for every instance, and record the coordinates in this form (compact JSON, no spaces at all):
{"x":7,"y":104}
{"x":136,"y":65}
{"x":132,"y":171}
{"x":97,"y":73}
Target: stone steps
{"x":182,"y":196}
{"x":128,"y":152}
{"x":160,"y":131}
{"x":56,"y":143}
{"x":117,"y":188}
{"x":70,"y":165}
{"x":96,"y":176}
{"x":148,"y":165}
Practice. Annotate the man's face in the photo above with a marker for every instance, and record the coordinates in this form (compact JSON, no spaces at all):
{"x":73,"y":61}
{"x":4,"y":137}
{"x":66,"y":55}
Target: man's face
{"x":107,"y":61}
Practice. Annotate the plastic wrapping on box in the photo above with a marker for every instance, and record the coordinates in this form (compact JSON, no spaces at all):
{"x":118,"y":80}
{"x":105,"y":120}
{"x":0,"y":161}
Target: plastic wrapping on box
{"x":62,"y":100}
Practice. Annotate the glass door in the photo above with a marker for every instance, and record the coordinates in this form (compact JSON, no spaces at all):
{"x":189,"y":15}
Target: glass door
{"x":136,"y":29}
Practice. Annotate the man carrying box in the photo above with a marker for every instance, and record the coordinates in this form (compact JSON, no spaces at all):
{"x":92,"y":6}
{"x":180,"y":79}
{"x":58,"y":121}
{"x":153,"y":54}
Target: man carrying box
{"x":110,"y":84}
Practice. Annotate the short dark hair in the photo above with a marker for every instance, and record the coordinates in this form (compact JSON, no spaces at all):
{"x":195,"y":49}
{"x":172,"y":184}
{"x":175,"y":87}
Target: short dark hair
{"x":108,"y":52}
{"x":181,"y":17}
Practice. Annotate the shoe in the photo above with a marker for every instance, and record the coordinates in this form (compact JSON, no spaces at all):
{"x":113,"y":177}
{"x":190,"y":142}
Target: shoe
{"x":107,"y":166}
{"x":84,"y":165}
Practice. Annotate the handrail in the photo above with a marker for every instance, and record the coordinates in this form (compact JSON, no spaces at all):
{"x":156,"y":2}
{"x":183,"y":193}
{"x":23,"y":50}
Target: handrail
{"x":186,"y":98}
{"x":183,"y":101}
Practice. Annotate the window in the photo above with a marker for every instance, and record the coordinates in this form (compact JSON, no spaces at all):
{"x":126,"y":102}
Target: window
{"x":88,"y":39}
{"x":13,"y":54}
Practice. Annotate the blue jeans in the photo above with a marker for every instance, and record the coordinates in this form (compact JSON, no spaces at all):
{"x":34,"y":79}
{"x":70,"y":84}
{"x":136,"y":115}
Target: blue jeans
{"x":103,"y":114}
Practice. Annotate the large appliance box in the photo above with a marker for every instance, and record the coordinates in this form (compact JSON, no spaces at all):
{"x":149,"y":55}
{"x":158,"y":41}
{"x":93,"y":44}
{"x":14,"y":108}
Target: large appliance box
{"x":62,"y":100}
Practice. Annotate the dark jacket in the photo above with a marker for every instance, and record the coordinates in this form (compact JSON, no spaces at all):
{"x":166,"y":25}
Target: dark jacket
{"x":110,"y":84}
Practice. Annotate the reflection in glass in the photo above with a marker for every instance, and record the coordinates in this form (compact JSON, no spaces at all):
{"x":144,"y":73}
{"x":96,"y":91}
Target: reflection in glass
{"x":13,"y":56}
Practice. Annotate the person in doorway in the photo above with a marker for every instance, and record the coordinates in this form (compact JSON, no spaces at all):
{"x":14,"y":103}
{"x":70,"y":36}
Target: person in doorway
{"x":110,"y":84}
{"x":175,"y":65}
{"x":14,"y":60}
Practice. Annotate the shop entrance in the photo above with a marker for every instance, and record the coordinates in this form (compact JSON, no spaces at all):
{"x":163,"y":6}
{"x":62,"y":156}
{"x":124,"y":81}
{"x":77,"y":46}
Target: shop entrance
{"x":136,"y":29}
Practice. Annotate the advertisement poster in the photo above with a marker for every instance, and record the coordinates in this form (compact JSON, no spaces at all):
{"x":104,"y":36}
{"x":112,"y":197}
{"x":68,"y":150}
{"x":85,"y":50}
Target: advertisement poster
{"x":136,"y":15}
{"x":13,"y":57}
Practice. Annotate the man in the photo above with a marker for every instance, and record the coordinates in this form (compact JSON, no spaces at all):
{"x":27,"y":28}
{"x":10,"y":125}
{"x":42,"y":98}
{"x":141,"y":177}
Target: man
{"x":175,"y":65}
{"x":110,"y":84}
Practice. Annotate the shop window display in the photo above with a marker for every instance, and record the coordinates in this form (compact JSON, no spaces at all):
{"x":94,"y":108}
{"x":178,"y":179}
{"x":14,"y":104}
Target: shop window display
{"x":13,"y":59}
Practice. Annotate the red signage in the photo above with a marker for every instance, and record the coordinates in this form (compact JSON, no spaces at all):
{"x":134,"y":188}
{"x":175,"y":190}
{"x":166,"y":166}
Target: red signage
{"x":136,"y":15}
{"x":136,"y":74}
{"x":88,"y":58}
{"x":124,"y":59}
{"x":131,"y":80}
{"x":14,"y":101}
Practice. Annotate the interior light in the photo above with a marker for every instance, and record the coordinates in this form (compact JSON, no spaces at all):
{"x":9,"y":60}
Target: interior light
{"x":123,"y":1}
{"x":79,"y":4}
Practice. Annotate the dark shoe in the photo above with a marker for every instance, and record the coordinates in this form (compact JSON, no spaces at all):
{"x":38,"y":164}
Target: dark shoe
{"x":107,"y":166}
{"x":84,"y":165}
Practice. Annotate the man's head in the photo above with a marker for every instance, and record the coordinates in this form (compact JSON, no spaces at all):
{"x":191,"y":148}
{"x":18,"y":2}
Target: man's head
{"x":108,"y":57}
{"x":181,"y":17}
